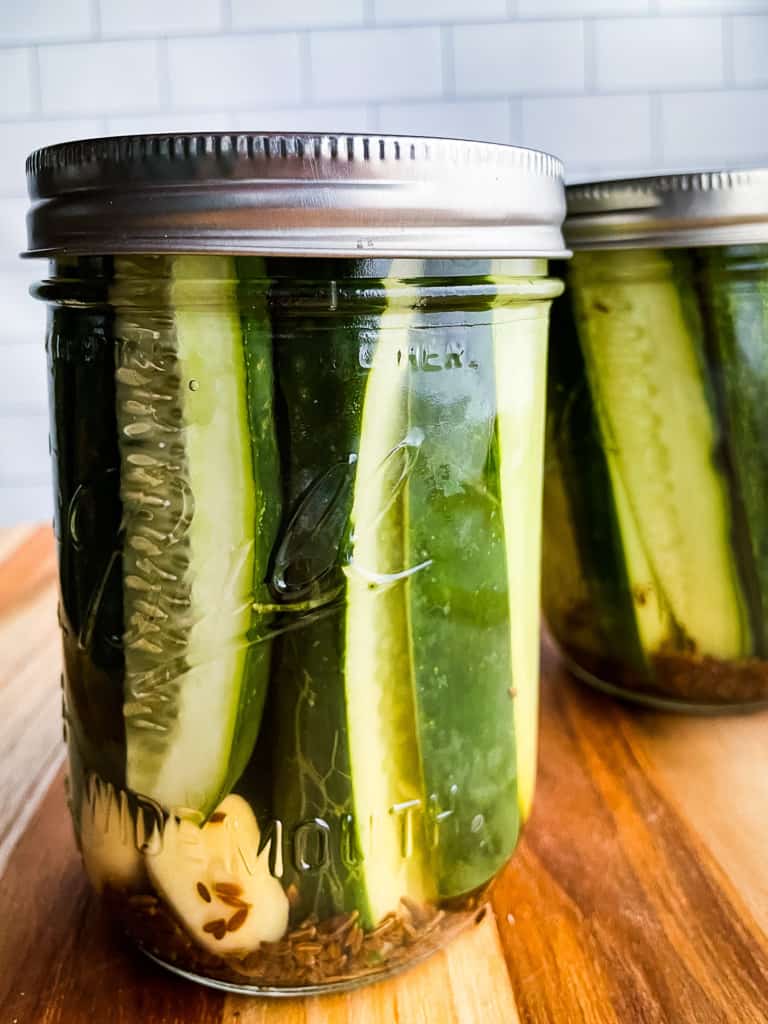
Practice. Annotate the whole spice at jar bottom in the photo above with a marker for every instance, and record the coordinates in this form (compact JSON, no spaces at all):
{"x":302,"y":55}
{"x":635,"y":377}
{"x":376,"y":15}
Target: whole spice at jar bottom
{"x":685,"y":675}
{"x":335,"y":950}
{"x":701,"y":678}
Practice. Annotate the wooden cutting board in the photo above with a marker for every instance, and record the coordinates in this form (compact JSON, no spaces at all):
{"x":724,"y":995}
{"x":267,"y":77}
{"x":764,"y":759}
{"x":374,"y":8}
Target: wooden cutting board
{"x":639,"y":892}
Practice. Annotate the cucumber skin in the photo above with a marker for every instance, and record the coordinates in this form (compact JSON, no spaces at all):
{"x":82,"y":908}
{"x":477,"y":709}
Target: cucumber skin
{"x":464,"y":743}
{"x":575,"y":441}
{"x":459,"y":617}
{"x":183,"y":299}
{"x":307,"y":710}
{"x":520,"y":343}
{"x":86,"y":480}
{"x":733,"y":289}
{"x":265,"y":458}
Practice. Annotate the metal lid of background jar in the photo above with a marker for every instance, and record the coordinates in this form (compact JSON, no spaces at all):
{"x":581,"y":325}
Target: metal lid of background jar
{"x":703,"y":208}
{"x":294,"y":194}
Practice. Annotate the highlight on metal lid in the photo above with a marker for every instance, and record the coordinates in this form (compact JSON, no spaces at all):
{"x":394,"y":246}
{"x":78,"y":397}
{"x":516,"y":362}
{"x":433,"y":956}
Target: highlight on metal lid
{"x":669,"y":210}
{"x":299,"y":194}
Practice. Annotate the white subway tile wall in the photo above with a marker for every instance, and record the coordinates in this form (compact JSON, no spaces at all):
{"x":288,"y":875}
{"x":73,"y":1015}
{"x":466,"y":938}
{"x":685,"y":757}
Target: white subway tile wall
{"x":159,"y":17}
{"x":309,"y":119}
{"x":208,"y":72}
{"x":19,"y":138}
{"x":16,"y":98}
{"x":37,"y":21}
{"x":401,"y":11}
{"x":750,"y":49}
{"x":520,"y":57}
{"x":613,"y":86}
{"x":103,"y":77}
{"x":584,"y":8}
{"x":25,"y":458}
{"x":712,"y":128}
{"x":376,"y":64}
{"x":492,"y":120}
{"x":710,"y":6}
{"x":591,"y":131}
{"x":658,"y":53}
{"x":298,"y":14}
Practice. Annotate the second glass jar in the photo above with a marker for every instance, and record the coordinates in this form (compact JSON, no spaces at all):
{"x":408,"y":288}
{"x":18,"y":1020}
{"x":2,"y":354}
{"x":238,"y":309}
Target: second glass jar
{"x":656,"y":536}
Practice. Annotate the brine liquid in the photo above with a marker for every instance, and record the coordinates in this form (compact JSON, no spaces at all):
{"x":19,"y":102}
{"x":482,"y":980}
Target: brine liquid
{"x":299,"y":572}
{"x":655,"y":536}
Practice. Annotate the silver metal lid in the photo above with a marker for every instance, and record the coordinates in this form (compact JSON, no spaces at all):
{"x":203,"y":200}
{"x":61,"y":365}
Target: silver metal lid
{"x":295,"y":194}
{"x":705,"y":208}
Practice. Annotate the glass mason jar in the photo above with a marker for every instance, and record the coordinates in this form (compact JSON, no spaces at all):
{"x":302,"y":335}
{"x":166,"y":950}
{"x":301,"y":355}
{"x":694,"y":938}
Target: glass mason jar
{"x":297,"y":510}
{"x":656,"y":534}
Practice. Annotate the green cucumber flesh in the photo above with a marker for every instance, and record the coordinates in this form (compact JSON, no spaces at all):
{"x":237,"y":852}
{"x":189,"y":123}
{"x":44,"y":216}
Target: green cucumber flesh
{"x":342,"y":701}
{"x":520,"y":356}
{"x":320,"y":386}
{"x":404,"y":683}
{"x":643,"y":352}
{"x":387,"y":782}
{"x":734,"y":291}
{"x":458,"y":611}
{"x":193,"y":500}
{"x":587,"y":594}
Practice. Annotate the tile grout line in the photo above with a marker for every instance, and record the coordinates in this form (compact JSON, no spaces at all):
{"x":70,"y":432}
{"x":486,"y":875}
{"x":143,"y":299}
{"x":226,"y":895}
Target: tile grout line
{"x":662,"y":90}
{"x":729,"y":55}
{"x":447,"y":62}
{"x":657,"y":139}
{"x":369,"y":22}
{"x":35,"y":82}
{"x":95,"y":9}
{"x":516,"y":120}
{"x":590,"y":57}
{"x":164,"y":92}
{"x":462,"y":96}
{"x":306,"y":69}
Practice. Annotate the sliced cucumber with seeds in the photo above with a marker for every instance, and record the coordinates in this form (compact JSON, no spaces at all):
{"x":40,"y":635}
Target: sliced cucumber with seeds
{"x":734,"y":293}
{"x":642,"y":339}
{"x":199,"y":503}
{"x":587,"y":592}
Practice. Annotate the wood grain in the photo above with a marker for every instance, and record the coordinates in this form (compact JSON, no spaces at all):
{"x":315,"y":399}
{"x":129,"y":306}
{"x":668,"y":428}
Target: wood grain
{"x":716,"y":770}
{"x":61,"y":962}
{"x":30,"y":659}
{"x":637,"y":895}
{"x":619,"y":912}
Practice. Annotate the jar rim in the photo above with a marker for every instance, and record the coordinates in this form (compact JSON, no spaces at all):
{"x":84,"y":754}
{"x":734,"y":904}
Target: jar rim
{"x":298,"y":194}
{"x":700,"y":208}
